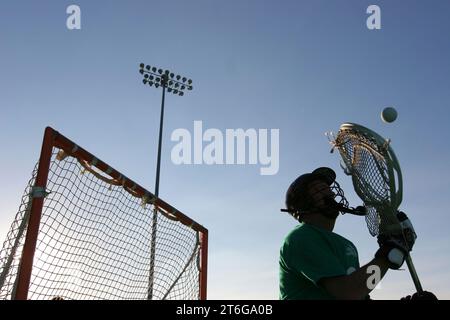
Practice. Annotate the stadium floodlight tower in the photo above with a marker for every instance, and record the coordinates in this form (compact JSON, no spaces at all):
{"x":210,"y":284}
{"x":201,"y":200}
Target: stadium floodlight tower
{"x":177,"y":85}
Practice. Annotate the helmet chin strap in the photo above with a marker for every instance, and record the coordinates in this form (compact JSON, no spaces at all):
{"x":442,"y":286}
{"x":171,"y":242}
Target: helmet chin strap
{"x":330,"y":211}
{"x":358,"y":211}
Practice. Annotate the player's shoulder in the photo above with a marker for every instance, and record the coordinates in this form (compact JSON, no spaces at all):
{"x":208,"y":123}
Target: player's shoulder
{"x":301,"y":233}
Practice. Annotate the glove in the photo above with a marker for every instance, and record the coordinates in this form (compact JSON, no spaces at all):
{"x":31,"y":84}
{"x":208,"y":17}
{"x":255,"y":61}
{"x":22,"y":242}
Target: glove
{"x":409,"y":235}
{"x":393,"y":250}
{"x":424,"y":295}
{"x":395,"y":247}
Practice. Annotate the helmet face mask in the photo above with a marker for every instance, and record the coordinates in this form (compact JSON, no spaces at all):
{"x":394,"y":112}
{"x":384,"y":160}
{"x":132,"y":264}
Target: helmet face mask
{"x":328,"y":200}
{"x":315,"y":192}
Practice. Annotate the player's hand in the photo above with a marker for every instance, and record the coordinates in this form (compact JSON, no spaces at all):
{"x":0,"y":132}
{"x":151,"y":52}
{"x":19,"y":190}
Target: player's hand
{"x":409,"y":234}
{"x":424,"y":295}
{"x":395,"y":247}
{"x":392,"y":249}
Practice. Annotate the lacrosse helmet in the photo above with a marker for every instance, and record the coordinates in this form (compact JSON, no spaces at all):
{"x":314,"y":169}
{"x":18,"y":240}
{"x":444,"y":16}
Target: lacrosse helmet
{"x":297,"y":197}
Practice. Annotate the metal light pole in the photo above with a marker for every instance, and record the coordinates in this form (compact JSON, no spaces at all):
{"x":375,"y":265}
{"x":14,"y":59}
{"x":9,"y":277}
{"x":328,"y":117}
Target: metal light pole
{"x":176,"y":85}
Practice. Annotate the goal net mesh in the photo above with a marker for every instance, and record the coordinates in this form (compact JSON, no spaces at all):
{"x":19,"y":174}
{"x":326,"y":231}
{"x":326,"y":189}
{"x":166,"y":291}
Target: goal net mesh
{"x":95,"y":242}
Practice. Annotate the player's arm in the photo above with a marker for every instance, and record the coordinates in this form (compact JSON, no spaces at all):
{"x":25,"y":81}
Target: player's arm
{"x":391,"y":255}
{"x":357,"y":285}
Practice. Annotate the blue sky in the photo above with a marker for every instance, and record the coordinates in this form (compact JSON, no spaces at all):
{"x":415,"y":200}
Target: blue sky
{"x":303,"y":67}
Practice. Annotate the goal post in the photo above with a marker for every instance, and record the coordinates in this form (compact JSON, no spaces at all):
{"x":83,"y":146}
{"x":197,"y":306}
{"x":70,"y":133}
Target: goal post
{"x":84,"y":231}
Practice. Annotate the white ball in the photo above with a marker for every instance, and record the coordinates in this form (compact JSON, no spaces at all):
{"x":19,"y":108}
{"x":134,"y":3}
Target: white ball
{"x":389,"y":115}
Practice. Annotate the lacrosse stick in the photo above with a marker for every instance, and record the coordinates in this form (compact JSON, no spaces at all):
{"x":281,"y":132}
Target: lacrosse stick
{"x":377,"y":179}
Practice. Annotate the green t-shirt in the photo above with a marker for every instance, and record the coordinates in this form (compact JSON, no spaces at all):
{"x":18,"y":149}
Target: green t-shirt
{"x":309,"y":254}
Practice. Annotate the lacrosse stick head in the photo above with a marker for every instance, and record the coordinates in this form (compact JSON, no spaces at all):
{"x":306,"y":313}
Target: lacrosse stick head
{"x":375,"y":172}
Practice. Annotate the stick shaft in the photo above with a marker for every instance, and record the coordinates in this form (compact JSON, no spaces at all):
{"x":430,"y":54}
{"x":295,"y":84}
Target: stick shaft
{"x":413,"y":273}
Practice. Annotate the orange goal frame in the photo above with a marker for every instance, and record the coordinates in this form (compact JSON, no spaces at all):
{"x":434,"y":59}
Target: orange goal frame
{"x":53,"y":138}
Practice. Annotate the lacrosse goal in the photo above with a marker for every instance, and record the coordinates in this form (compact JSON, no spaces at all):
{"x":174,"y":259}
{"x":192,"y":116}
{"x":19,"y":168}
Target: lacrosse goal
{"x":85,"y":231}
